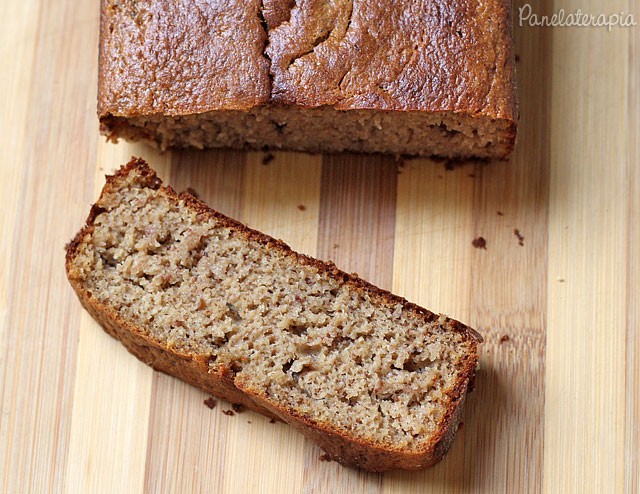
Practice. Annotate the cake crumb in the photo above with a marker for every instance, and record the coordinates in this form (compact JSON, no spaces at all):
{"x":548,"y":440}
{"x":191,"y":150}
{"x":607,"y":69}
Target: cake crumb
{"x":500,"y":213}
{"x":504,"y":338}
{"x":230,"y":413}
{"x":460,"y":426}
{"x":237,"y":407}
{"x":517,"y":233}
{"x":210,"y":402}
{"x":302,"y":207}
{"x":517,"y":58}
{"x":272,"y":421}
{"x":479,"y":243}
{"x":325,"y":457}
{"x":268,"y":158}
{"x":561,"y":280}
{"x":248,"y":421}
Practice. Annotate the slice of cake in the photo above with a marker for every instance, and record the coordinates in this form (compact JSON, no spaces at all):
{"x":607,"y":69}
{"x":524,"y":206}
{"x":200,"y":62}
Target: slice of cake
{"x":416,"y":77}
{"x":376,"y":381}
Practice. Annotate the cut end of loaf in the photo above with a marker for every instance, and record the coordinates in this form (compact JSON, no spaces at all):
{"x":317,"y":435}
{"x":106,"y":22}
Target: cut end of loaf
{"x":377,"y":381}
{"x":323,"y":130}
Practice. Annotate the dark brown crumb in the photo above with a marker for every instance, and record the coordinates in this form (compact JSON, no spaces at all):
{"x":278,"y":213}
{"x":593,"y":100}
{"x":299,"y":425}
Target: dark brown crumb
{"x":272,"y":421}
{"x":479,"y":243}
{"x":233,"y":312}
{"x":192,"y":191}
{"x":517,"y":233}
{"x":267,"y":158}
{"x":449,"y":165}
{"x":325,"y":457}
{"x":504,"y":338}
{"x":500,"y":213}
{"x":517,"y":57}
{"x":302,"y":207}
{"x":460,"y":426}
{"x":237,"y":407}
{"x":230,"y":413}
{"x":210,"y":402}
{"x":471,"y":175}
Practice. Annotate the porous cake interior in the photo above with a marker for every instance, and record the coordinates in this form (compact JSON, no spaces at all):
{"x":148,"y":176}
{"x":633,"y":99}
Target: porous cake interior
{"x":343,"y":355}
{"x":325,"y":129}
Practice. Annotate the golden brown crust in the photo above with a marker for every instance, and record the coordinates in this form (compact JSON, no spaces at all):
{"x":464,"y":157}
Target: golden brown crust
{"x":426,"y":55}
{"x":221,"y":381}
{"x":172,"y":58}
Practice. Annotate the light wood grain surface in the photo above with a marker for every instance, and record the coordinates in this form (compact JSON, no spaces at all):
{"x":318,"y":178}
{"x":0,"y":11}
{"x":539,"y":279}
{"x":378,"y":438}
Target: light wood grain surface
{"x":557,"y":404}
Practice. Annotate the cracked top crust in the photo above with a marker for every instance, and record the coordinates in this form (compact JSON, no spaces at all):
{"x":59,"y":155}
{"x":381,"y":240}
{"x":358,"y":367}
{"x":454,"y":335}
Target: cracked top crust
{"x":194,"y":56}
{"x":180,"y":57}
{"x":426,"y":55}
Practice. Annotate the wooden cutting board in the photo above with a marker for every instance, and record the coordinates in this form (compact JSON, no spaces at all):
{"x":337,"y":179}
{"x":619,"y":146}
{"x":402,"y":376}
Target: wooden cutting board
{"x":556,"y":292}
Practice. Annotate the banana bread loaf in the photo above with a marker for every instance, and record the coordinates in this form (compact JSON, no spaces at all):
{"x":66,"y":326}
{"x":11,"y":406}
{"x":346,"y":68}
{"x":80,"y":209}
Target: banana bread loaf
{"x":377,"y":382}
{"x":415,"y":77}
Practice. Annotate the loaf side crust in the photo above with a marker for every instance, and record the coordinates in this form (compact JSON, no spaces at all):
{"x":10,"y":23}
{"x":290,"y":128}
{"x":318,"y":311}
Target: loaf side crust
{"x":221,"y":381}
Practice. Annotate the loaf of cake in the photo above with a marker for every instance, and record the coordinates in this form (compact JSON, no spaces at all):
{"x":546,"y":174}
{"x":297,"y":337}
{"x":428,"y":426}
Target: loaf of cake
{"x":412,"y":77}
{"x":379,"y":383}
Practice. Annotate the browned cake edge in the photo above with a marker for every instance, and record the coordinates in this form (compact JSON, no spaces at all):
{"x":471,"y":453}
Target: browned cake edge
{"x":219,"y":380}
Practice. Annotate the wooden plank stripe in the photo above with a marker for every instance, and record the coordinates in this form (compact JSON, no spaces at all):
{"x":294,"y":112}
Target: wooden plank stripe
{"x":281,"y":197}
{"x":357,"y":215}
{"x":14,"y":98}
{"x":356,"y":230}
{"x":433,"y":253}
{"x":187,"y":440}
{"x":588,"y":245}
{"x":113,"y":389}
{"x":632,"y":392}
{"x":37,"y":357}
